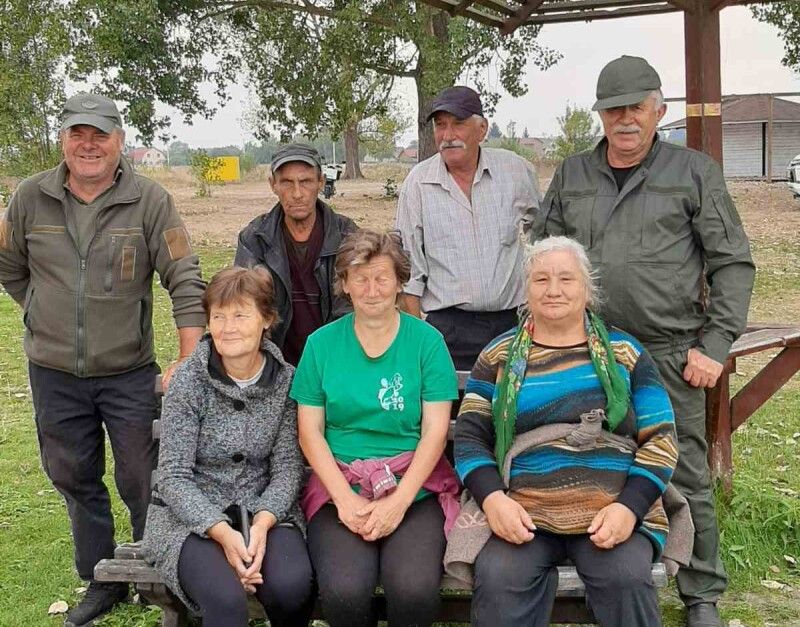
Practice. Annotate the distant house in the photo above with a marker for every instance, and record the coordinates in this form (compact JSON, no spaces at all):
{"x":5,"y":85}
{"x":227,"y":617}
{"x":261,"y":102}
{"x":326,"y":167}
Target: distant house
{"x":744,"y":135}
{"x":148,"y":157}
{"x":408,"y":155}
{"x":539,"y":146}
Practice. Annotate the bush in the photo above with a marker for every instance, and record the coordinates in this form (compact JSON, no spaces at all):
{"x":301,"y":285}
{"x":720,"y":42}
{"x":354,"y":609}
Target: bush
{"x":390,"y":188}
{"x":205,"y":170}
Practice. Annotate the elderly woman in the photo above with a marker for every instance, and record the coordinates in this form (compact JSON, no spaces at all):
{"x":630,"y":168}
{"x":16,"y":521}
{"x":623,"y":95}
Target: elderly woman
{"x":230,"y":467}
{"x":566,"y":440}
{"x":374,"y":391}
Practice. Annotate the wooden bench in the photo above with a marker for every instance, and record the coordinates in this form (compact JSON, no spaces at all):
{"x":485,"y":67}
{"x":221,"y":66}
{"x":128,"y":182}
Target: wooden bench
{"x":128,"y":566}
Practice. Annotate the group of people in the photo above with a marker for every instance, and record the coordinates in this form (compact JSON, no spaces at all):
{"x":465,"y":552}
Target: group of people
{"x":590,"y":320}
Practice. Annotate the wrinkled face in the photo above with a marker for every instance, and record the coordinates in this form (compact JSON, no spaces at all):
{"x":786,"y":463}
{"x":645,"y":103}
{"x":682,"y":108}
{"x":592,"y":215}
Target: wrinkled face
{"x":92,"y":156}
{"x":630,"y":130}
{"x":236,"y":329}
{"x":458,"y":141}
{"x":557,"y":291}
{"x":297,"y":186}
{"x":373,"y":287}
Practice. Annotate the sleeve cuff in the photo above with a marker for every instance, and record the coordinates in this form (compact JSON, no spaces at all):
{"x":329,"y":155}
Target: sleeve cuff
{"x":414,"y":288}
{"x":482,"y":481}
{"x":202,"y":526}
{"x":715,"y":346}
{"x":271,"y":505}
{"x":638,"y":495}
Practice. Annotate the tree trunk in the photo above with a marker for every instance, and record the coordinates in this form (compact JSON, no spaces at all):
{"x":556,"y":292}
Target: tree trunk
{"x":437,"y":26}
{"x":352,"y":168}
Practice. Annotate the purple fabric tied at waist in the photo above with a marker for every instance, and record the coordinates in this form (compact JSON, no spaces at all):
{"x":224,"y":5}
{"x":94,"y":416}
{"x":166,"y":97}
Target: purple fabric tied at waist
{"x":376,"y":479}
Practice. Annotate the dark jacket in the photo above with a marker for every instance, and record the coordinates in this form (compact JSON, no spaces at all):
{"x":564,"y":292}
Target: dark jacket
{"x":655,"y":244}
{"x":92,"y":316}
{"x":261,"y":243}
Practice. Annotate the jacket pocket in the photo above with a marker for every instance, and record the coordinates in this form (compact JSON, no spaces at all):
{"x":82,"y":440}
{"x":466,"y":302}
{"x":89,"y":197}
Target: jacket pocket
{"x":578,"y":210}
{"x":50,"y":319}
{"x":113,"y":334}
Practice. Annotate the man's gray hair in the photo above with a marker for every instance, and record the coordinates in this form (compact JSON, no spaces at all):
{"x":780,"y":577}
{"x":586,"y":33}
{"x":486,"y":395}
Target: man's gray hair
{"x":658,"y":96}
{"x":558,"y":243}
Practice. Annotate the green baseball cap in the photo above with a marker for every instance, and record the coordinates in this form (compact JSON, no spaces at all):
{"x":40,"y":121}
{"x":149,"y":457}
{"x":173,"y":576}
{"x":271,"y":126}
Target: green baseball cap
{"x":91,"y":109}
{"x":625,"y":81}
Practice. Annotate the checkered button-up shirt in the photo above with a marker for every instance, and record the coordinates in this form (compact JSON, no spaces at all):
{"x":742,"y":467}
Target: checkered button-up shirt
{"x":468,"y":254}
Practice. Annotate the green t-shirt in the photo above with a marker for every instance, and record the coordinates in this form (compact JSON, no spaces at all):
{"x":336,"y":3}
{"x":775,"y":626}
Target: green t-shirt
{"x":373,"y":406}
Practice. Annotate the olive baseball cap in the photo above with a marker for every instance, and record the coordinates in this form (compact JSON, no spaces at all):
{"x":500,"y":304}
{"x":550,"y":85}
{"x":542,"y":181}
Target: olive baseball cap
{"x":625,"y":81}
{"x":296,"y":152}
{"x":91,"y":109}
{"x":461,"y":101}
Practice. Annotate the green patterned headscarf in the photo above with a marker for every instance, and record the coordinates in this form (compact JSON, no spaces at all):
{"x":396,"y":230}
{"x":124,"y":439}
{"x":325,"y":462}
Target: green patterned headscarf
{"x":504,"y":410}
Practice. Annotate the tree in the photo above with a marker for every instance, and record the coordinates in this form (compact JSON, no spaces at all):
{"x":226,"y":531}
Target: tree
{"x":146,"y":51}
{"x":511,"y":130}
{"x":525,"y":133}
{"x":785,"y":16}
{"x":178,"y":153}
{"x":33,"y":45}
{"x":380,"y":136}
{"x":578,"y":133}
{"x":494,"y":132}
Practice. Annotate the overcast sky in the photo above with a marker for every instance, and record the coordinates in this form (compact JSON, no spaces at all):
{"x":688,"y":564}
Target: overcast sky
{"x":751,"y":54}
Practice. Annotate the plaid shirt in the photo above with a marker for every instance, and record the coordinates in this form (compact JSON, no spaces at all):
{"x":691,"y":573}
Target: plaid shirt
{"x":468,"y":254}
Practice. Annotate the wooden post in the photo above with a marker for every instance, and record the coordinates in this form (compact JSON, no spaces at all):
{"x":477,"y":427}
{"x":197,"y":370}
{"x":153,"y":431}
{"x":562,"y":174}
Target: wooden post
{"x":770,"y":102}
{"x":703,"y":86}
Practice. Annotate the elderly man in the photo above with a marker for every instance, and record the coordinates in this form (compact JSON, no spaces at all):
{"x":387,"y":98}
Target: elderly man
{"x":675,"y":270}
{"x":297,"y":242}
{"x":459,"y":214}
{"x":78,"y":247}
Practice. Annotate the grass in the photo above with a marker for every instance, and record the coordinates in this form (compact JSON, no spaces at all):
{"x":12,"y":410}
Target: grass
{"x":760,"y":521}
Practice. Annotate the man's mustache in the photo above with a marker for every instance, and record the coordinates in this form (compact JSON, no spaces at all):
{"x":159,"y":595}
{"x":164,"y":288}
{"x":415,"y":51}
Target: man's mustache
{"x":627,"y":128}
{"x":456,"y":143}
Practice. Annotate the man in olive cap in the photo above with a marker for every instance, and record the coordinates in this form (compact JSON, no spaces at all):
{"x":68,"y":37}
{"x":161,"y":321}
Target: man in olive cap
{"x":460,"y":214}
{"x":675,"y":270}
{"x":78,"y":247}
{"x":297,"y":242}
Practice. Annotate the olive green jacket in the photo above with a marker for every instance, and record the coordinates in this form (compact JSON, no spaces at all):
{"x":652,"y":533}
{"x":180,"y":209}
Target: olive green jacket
{"x":92,"y":316}
{"x":672,"y":258}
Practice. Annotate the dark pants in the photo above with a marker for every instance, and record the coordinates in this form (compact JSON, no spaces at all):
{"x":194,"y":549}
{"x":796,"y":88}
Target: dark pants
{"x":407,"y":563}
{"x":517,"y":584}
{"x":704,"y":579}
{"x":287,"y":593}
{"x":70,"y":415}
{"x":467,"y":333}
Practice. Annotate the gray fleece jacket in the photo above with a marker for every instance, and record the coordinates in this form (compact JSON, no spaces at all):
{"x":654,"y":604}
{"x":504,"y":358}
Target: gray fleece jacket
{"x":221,"y":445}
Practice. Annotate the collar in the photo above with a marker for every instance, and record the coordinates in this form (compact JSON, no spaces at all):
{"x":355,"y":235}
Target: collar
{"x":272,"y":228}
{"x":54,"y":182}
{"x":217,"y":371}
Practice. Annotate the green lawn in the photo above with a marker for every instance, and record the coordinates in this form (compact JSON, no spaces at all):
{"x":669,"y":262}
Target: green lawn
{"x":760,"y":522}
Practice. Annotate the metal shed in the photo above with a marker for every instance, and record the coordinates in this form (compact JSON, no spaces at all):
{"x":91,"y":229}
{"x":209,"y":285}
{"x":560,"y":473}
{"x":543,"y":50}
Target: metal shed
{"x":746,"y":134}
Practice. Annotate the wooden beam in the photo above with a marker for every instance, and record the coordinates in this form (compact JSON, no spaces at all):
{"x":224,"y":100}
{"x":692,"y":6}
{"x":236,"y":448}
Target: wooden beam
{"x":565,"y":6}
{"x":682,"y":5}
{"x":719,"y":430}
{"x":513,"y":23}
{"x":762,"y":386}
{"x":587,"y":16}
{"x":479,"y":16}
{"x":462,"y":7}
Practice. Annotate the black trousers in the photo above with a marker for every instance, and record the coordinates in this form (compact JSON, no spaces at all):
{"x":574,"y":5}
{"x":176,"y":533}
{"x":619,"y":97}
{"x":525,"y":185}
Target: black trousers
{"x":287,"y":593}
{"x":467,"y":333}
{"x":517,"y":584}
{"x":70,"y":416}
{"x":407,"y":563}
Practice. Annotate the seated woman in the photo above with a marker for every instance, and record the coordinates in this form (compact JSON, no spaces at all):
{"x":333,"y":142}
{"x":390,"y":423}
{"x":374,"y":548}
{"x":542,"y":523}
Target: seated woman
{"x":229,"y":457}
{"x":374,"y":391}
{"x":566,"y":440}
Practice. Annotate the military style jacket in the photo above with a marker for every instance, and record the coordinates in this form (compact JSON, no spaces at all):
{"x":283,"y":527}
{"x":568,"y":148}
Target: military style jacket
{"x":672,"y":258}
{"x":92,"y":315}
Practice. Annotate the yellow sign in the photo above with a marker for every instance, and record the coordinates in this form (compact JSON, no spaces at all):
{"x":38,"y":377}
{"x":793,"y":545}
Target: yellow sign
{"x":228,"y":170}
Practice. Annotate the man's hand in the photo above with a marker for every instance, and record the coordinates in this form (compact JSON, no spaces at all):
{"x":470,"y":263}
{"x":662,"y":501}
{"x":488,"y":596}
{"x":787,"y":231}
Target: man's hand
{"x":611,"y":526}
{"x":168,"y":372}
{"x":508,"y":519}
{"x":384,"y":516}
{"x":701,"y":371}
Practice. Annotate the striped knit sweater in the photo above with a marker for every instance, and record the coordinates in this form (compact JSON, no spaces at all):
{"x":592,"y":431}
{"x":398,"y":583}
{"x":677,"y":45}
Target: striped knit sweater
{"x":561,"y":486}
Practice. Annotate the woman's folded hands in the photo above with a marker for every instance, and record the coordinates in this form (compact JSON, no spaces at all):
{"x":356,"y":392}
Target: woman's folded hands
{"x":507,"y":518}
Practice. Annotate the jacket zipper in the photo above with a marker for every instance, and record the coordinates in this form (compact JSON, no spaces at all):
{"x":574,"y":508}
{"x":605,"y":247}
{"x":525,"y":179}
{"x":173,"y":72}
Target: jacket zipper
{"x":109,"y":277}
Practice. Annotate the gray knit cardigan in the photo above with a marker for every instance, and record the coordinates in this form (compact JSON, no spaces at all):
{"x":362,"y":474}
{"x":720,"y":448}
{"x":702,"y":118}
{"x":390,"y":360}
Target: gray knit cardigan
{"x":221,"y":445}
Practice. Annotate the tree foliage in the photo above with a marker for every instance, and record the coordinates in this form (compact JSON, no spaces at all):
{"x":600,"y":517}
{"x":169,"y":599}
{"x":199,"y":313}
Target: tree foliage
{"x":494,"y":131}
{"x":33,"y":45}
{"x":578,"y":133}
{"x":313,"y":64}
{"x":785,"y":16}
{"x":205,"y":170}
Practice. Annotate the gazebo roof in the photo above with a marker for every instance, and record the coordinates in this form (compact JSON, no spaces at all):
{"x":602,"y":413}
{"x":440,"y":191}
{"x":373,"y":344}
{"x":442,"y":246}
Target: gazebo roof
{"x":508,"y":15}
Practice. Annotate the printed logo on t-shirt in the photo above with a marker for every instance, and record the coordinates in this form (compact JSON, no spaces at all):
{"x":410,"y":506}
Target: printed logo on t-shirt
{"x":389,"y":394}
